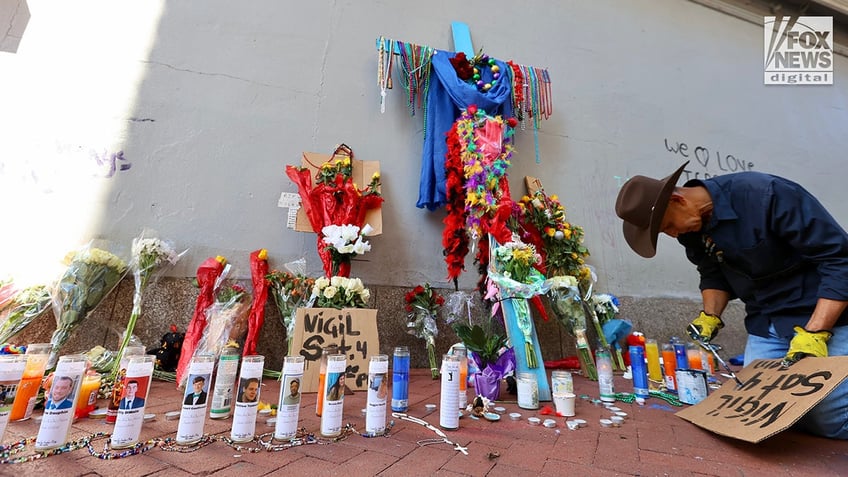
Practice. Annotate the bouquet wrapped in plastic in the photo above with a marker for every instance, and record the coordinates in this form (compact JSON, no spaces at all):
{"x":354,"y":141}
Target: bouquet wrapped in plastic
{"x":258,"y":274}
{"x":512,"y":271}
{"x":569,"y":309}
{"x":208,"y":275}
{"x":422,"y":307}
{"x":291,"y":290}
{"x":91,"y":275}
{"x":334,"y":199}
{"x":226,"y":320}
{"x":343,"y":242}
{"x":21,"y":308}
{"x":151,"y":258}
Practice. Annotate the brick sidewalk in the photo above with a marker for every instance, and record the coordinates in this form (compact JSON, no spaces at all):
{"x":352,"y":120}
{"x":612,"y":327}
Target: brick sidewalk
{"x":652,"y":441}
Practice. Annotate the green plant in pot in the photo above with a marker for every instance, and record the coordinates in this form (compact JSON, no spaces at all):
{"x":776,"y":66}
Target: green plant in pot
{"x":486,"y":349}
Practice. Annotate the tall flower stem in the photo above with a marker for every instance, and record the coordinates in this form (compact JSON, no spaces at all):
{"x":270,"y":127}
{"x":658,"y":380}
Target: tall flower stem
{"x":584,"y":354}
{"x":141,"y":283}
{"x":431,"y":353}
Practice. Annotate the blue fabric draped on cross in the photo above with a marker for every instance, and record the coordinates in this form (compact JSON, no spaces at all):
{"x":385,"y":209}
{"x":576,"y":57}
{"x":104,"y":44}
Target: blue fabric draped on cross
{"x":446,"y":97}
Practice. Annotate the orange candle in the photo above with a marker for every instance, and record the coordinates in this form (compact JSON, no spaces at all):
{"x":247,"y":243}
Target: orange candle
{"x":693,"y":353}
{"x":669,"y":366}
{"x":88,"y":394}
{"x":37,"y":354}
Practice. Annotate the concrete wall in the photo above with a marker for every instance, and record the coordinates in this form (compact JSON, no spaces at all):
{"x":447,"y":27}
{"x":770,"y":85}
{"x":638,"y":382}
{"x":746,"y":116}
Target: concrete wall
{"x":180,"y":116}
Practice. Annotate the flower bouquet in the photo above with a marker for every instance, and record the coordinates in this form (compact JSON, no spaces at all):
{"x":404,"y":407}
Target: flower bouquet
{"x":605,"y":307}
{"x":91,"y":275}
{"x":342,"y":242}
{"x":290,"y":291}
{"x":256,"y":318}
{"x":561,"y":242}
{"x":567,"y":304}
{"x":334,"y":199}
{"x":339,"y":292}
{"x":21,"y":309}
{"x":422,"y":305}
{"x":226,"y":320}
{"x":210,"y":273}
{"x":488,"y":350}
{"x":151,"y":257}
{"x":512,"y":271}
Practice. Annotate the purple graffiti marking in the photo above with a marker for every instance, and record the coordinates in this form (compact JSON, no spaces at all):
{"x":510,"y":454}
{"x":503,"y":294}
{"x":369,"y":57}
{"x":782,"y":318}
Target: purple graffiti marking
{"x":111,"y":162}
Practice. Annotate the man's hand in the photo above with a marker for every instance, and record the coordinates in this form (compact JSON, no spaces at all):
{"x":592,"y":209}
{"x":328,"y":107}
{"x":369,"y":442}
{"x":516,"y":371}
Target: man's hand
{"x":807,"y":343}
{"x":705,"y":327}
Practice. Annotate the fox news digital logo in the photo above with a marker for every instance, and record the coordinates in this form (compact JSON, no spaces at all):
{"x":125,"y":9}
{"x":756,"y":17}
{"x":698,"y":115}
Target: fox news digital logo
{"x":798,"y":50}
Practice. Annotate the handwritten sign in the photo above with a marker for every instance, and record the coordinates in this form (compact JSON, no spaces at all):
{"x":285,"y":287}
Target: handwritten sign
{"x":353,"y":330}
{"x":771,"y":399}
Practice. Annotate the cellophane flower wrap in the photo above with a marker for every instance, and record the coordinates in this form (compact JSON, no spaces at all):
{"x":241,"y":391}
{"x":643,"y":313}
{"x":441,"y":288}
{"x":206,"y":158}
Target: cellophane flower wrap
{"x":605,"y":307}
{"x":151,"y":258}
{"x":339,"y":292}
{"x":210,"y":273}
{"x":422,"y":306}
{"x":91,"y":275}
{"x":334,"y":199}
{"x":256,"y":318}
{"x":565,"y":299}
{"x":290,"y":290}
{"x":21,"y":308}
{"x":343,"y":242}
{"x":512,"y":271}
{"x":226,"y":320}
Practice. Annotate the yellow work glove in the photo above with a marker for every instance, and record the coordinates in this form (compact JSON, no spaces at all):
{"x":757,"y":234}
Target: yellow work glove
{"x":807,"y":343}
{"x":705,"y":327}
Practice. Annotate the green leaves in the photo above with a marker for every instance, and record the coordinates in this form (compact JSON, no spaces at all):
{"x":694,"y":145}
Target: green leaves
{"x":475,"y":338}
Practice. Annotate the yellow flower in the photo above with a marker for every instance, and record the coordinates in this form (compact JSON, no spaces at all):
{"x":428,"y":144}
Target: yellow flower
{"x":220,"y":259}
{"x":376,"y":176}
{"x":263,"y":254}
{"x":554,"y":197}
{"x":567,"y":234}
{"x":549,"y":231}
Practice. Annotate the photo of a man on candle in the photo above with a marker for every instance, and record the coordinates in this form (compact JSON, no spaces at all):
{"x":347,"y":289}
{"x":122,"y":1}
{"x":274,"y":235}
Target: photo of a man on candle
{"x":293,"y":396}
{"x":130,"y":399}
{"x":249,"y":390}
{"x":61,"y":393}
{"x":196,"y":395}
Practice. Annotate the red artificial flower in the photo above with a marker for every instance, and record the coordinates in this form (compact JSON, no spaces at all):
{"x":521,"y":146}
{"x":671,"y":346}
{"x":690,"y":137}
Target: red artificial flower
{"x":464,"y":69}
{"x":512,"y":122}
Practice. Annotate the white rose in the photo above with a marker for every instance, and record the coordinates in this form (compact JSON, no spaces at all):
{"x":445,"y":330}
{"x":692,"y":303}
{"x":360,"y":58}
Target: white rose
{"x":337,"y":281}
{"x":361,"y":246}
{"x":349,"y":232}
{"x":330,"y":292}
{"x":365,"y":294}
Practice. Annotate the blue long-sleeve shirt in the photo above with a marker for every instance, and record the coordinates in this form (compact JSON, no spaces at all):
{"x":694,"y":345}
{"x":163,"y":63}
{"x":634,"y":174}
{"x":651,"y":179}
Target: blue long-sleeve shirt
{"x":773,"y":245}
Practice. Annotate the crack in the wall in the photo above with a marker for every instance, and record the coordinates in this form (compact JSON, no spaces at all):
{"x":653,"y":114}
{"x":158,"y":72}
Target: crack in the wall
{"x":334,"y":22}
{"x":205,"y":73}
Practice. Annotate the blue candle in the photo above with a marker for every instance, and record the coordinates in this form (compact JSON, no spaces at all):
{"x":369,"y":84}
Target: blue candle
{"x":400,"y":379}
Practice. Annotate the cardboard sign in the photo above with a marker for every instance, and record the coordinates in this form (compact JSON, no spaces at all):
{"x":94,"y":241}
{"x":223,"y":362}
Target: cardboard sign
{"x":361,"y":175}
{"x":771,"y":400}
{"x":353,"y":330}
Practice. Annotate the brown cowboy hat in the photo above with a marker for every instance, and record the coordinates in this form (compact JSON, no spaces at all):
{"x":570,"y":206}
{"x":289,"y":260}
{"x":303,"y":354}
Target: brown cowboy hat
{"x":641,"y":203}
